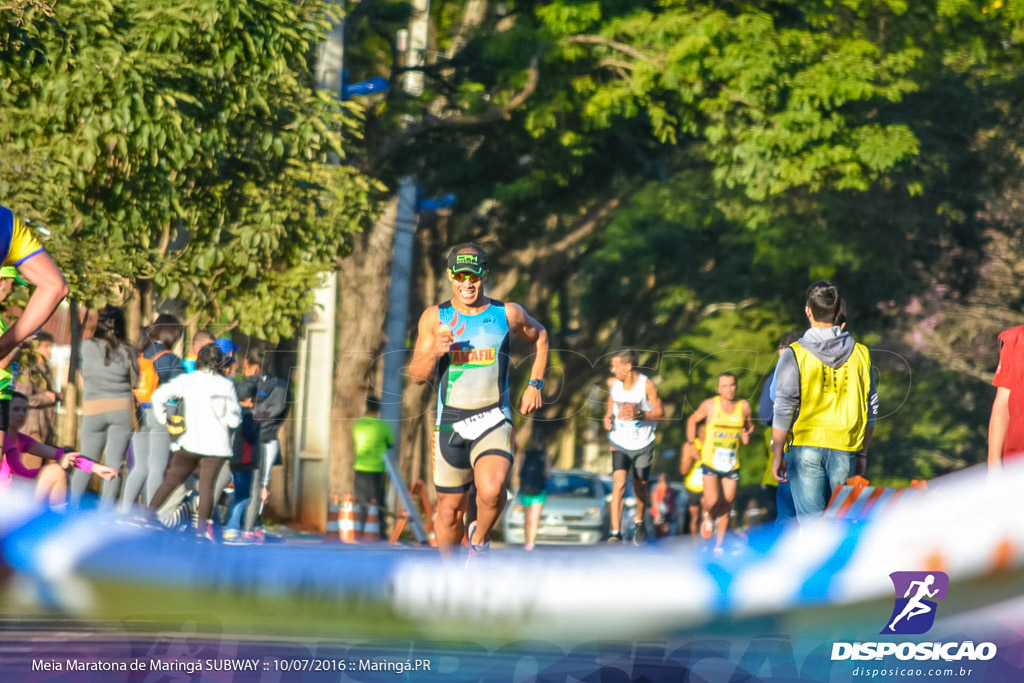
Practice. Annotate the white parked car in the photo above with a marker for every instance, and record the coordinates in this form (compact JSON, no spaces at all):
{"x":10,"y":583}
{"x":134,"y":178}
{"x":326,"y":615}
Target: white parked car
{"x":575,"y":511}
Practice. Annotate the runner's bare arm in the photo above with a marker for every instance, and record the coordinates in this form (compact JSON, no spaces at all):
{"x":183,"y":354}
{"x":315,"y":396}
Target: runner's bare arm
{"x":657,"y":410}
{"x":689,"y":457}
{"x":998,"y":423}
{"x":428,"y":344}
{"x":699,"y":415}
{"x":522,"y":325}
{"x":609,"y":413}
{"x":6,"y":361}
{"x":41,"y":271}
{"x":695,"y":419}
{"x":748,"y":422}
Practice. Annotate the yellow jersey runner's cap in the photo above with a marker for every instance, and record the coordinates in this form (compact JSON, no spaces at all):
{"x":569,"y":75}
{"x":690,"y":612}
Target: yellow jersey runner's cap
{"x":11,"y":271}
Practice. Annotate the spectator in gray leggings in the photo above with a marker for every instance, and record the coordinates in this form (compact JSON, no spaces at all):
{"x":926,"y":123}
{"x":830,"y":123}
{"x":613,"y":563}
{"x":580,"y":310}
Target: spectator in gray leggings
{"x":107,"y":364}
{"x":151,"y":445}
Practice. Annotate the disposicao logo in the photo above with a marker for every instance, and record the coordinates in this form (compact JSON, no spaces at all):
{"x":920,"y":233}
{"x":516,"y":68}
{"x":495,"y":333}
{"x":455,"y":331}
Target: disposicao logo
{"x":916,"y":593}
{"x":912,"y":614}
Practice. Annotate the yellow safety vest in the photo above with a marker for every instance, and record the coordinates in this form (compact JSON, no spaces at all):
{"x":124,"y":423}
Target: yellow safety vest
{"x":722,"y":439}
{"x":833,"y":401}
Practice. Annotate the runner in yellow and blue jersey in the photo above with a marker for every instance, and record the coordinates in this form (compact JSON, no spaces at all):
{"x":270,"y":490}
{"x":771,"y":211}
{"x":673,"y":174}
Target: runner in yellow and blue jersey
{"x":20,"y":249}
{"x":463,"y":344}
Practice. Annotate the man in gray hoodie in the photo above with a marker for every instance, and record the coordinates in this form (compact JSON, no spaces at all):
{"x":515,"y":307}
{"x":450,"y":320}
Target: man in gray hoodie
{"x":826,"y":398}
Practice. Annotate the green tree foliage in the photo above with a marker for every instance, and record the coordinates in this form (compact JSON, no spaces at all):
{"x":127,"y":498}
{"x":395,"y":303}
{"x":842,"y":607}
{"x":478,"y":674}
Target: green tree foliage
{"x":665,"y":174}
{"x":731,"y":153}
{"x":182,"y":144}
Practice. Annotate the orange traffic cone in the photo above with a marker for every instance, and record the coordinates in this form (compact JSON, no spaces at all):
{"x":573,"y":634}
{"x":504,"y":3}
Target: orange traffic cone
{"x":371,"y":528}
{"x":347,"y":522}
{"x":333,"y":532}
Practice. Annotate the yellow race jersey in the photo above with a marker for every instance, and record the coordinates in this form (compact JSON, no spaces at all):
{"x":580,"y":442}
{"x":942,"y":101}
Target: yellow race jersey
{"x":722,"y":438}
{"x":17,"y":243}
{"x":695,"y":477}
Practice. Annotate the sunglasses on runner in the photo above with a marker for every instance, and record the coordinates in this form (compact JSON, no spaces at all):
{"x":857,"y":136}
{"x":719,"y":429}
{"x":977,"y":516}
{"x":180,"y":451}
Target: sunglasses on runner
{"x":466,"y":277}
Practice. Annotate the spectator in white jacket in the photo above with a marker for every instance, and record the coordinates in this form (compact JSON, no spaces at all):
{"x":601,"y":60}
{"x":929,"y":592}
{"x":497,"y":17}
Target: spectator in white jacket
{"x":211,"y":411}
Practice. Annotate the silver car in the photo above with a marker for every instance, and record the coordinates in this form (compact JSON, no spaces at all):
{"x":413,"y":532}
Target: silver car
{"x":575,"y":511}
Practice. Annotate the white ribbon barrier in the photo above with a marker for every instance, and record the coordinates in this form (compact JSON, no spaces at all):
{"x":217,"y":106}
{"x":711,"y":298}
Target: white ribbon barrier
{"x":968,"y":525}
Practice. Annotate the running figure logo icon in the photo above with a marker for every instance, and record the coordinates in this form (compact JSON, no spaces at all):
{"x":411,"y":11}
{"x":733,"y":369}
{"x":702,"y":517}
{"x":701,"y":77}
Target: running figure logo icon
{"x":914,"y":612}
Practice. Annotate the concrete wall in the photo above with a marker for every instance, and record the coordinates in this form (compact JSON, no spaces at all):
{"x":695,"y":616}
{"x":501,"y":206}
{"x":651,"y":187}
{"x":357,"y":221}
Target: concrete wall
{"x":313,"y":396}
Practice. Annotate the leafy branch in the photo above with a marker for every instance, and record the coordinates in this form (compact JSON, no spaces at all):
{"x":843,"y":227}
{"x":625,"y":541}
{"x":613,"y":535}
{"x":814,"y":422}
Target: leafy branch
{"x":495,"y":113}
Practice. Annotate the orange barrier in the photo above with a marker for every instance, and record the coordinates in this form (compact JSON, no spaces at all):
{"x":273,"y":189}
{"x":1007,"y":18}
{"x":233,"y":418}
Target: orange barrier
{"x":371,"y":527}
{"x":347,"y":528}
{"x":333,"y":532}
{"x":857,"y":500}
{"x":418,"y":489}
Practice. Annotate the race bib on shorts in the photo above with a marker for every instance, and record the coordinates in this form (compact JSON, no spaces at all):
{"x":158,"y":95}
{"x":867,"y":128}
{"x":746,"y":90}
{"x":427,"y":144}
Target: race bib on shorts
{"x":724,"y":460}
{"x":473,"y":427}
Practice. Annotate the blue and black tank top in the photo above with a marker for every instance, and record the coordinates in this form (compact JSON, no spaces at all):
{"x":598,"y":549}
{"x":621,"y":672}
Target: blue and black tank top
{"x":473,"y":377}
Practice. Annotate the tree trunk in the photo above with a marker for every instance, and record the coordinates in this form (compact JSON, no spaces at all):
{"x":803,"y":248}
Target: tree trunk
{"x":418,"y":401}
{"x":417,"y":429}
{"x":133,"y":315}
{"x":363,"y":284}
{"x":472,"y":17}
{"x":146,"y":309}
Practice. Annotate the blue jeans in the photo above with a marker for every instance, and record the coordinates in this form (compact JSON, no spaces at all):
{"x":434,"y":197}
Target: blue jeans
{"x":784,"y":508}
{"x":814,"y":473}
{"x":243,"y":491}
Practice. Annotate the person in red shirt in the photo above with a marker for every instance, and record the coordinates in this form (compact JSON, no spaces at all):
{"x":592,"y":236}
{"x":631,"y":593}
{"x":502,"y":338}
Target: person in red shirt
{"x":1006,"y":425}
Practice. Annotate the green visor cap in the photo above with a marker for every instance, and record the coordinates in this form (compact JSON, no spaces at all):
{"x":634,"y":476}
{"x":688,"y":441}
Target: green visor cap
{"x":11,"y":271}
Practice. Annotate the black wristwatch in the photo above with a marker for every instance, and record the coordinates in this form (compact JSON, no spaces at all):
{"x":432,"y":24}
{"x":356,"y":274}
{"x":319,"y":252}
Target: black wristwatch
{"x":538,"y":384}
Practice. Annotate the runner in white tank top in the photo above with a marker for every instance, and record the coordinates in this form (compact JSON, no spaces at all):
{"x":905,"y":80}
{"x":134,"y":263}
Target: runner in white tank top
{"x":633,"y":408}
{"x":631,"y":434}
